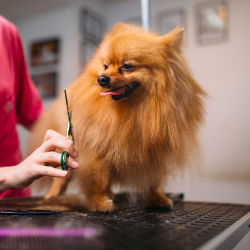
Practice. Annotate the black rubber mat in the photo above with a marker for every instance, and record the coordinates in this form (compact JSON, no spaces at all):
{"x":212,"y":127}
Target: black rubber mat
{"x":187,"y":226}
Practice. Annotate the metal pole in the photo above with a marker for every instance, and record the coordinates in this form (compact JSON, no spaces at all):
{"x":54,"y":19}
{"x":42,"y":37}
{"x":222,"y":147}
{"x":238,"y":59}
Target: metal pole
{"x":145,"y":14}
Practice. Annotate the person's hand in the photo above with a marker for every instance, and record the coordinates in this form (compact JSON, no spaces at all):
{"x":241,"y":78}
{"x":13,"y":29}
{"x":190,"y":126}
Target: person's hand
{"x":37,"y":164}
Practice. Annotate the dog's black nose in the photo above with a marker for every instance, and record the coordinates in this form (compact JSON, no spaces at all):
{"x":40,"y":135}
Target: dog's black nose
{"x":103,"y":81}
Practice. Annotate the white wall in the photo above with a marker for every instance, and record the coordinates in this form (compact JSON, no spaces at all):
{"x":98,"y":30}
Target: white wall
{"x":222,"y":69}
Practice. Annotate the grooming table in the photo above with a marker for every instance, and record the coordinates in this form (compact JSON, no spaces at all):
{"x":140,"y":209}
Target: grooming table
{"x":188,"y":225}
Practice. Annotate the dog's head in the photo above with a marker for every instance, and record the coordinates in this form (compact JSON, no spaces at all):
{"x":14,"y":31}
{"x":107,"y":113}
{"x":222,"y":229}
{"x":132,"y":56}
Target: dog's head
{"x":133,"y":62}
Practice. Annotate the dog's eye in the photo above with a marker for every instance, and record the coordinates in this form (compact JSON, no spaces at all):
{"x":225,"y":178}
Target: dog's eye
{"x":127,"y":66}
{"x":105,"y":66}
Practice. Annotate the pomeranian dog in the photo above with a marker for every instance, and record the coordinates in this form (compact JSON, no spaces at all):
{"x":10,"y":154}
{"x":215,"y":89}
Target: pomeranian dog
{"x":136,"y":110}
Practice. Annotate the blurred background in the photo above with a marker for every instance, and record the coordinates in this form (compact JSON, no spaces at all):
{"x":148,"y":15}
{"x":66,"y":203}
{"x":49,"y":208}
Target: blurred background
{"x":59,"y":36}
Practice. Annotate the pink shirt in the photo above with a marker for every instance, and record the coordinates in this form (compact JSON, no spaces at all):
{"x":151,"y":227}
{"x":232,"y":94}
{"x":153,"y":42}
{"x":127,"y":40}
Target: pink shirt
{"x":19,"y":99}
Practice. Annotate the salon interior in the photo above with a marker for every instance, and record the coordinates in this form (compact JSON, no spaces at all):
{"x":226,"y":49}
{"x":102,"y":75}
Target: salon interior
{"x":66,"y":33}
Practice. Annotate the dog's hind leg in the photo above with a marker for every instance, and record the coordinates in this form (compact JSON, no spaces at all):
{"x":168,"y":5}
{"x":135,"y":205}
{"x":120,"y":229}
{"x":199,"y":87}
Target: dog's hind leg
{"x":156,"y":198}
{"x":58,"y":187}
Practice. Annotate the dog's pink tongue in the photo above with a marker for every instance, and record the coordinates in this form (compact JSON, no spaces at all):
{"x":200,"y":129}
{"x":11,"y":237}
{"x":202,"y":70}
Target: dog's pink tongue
{"x":114,"y":92}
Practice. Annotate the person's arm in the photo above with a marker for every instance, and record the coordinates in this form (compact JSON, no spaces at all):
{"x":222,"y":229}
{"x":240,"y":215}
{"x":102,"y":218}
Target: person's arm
{"x":28,"y":102}
{"x":35,"y":166}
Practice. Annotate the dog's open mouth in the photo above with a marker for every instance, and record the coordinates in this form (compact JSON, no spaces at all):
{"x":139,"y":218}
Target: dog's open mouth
{"x":120,"y":93}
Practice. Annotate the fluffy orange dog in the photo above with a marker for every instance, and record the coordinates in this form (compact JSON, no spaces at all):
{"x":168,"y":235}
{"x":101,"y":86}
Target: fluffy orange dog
{"x":135,"y":110}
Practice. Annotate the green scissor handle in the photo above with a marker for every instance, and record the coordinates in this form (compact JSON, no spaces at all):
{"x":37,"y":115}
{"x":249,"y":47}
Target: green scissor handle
{"x":63,"y":160}
{"x":69,"y":132}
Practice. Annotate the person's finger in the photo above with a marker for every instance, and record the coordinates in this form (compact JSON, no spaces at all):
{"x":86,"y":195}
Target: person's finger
{"x":56,"y":158}
{"x":51,"y":133}
{"x":50,"y":171}
{"x":57,"y":142}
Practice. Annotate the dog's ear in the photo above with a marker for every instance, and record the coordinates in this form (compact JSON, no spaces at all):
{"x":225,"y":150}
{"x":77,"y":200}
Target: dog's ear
{"x":175,"y":39}
{"x":120,"y":28}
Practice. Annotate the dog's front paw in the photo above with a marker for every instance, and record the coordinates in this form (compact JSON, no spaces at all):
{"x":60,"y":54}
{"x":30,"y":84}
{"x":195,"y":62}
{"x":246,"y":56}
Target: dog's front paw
{"x":101,"y":205}
{"x":160,"y":200}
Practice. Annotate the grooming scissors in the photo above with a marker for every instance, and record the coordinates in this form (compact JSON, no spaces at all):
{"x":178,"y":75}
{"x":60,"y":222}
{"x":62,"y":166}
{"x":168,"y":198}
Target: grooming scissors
{"x":69,"y":132}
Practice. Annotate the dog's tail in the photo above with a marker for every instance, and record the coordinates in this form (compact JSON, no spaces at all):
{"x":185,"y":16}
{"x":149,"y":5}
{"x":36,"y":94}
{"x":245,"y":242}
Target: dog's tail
{"x":63,"y":203}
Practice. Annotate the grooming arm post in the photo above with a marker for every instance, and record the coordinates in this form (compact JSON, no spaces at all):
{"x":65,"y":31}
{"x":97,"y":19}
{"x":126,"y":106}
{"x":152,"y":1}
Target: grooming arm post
{"x":145,"y":14}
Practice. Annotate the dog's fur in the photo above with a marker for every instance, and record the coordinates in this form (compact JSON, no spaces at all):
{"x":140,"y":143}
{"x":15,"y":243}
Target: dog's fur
{"x":141,"y":139}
